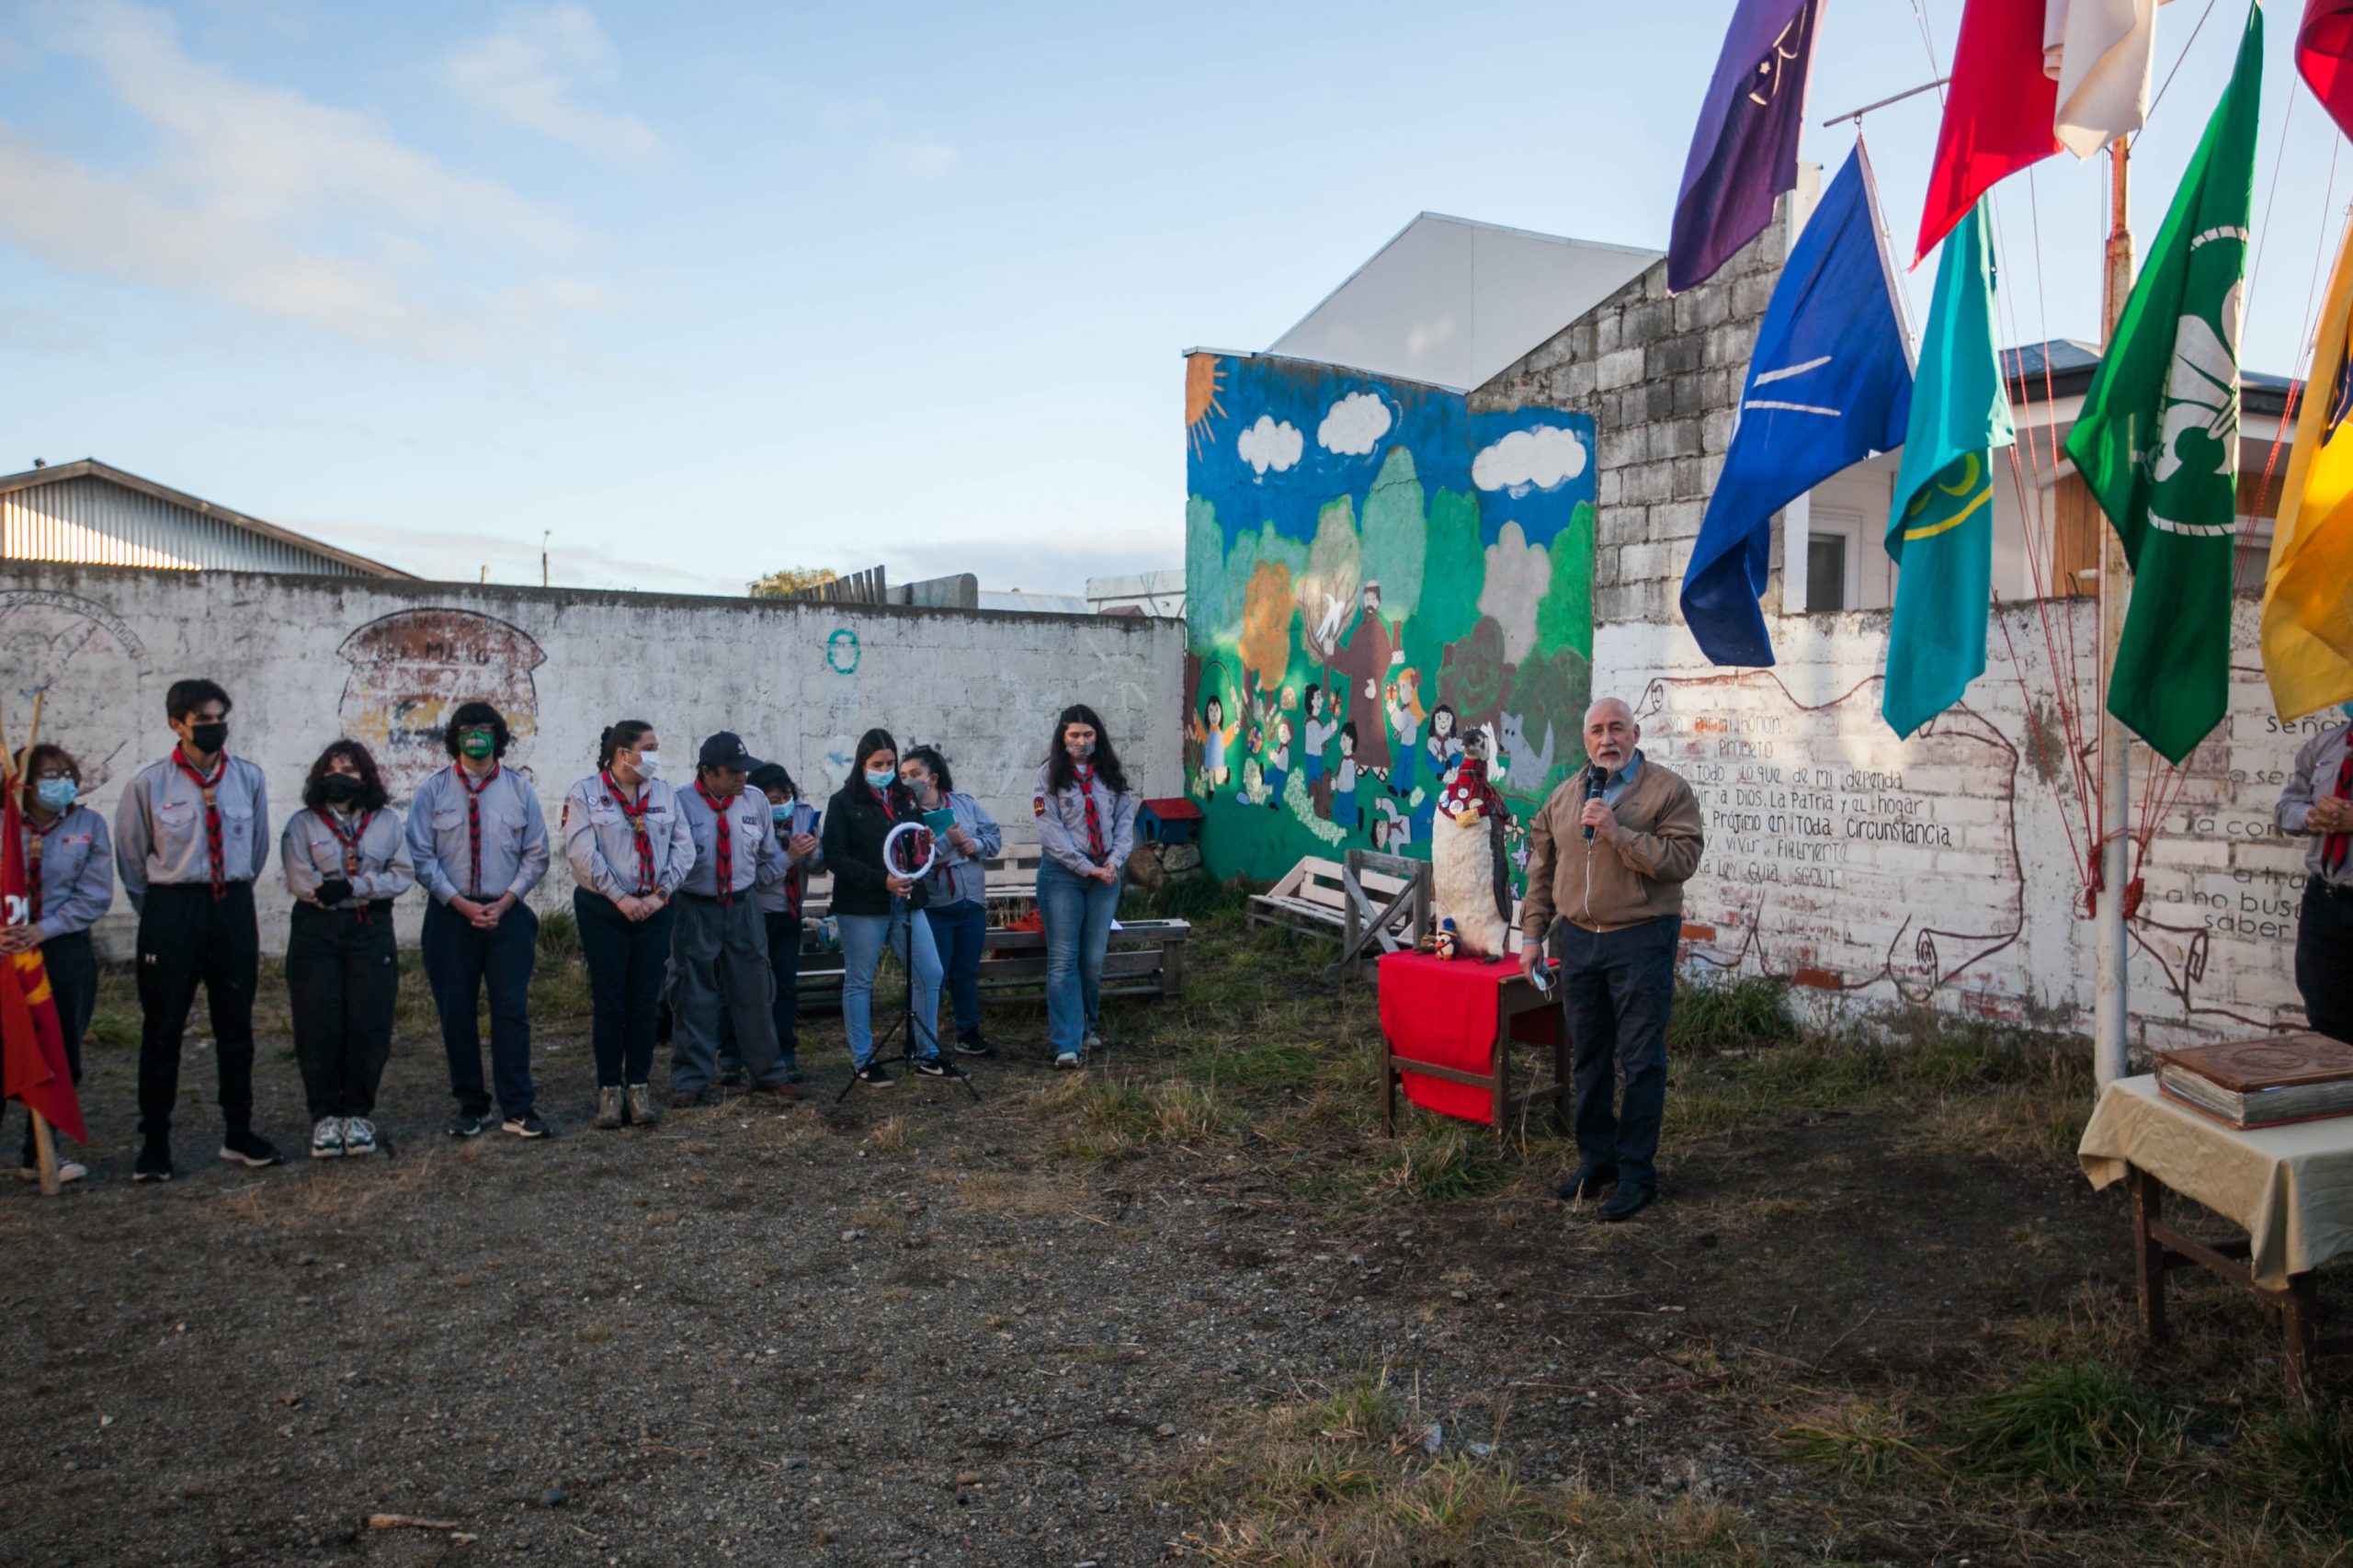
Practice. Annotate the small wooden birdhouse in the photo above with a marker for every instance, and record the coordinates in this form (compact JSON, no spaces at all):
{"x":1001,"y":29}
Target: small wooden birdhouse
{"x":1171,"y":820}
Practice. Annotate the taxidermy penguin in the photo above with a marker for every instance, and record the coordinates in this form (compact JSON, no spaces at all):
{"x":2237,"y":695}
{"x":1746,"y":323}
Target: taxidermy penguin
{"x":1471,"y":874}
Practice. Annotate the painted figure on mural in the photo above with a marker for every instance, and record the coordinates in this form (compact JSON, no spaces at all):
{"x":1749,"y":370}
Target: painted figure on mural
{"x":1347,"y":810}
{"x":1405,"y":717}
{"x":1320,"y":734}
{"x":1277,"y":764}
{"x":1442,"y":752}
{"x":1364,"y":657}
{"x":1214,"y":734}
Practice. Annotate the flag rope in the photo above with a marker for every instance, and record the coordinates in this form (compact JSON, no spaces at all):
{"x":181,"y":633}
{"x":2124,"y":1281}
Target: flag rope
{"x":2135,"y":145}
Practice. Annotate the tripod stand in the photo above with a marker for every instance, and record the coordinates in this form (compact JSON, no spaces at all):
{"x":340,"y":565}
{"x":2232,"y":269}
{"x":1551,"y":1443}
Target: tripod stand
{"x":906,"y":1021}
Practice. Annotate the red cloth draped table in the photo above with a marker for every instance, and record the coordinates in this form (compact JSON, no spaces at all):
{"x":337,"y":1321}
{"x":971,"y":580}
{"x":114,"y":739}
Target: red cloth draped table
{"x":1449,"y":1025}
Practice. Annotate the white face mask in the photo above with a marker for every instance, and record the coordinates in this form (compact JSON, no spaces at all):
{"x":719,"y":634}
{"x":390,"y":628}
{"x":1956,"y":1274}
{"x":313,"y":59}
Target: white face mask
{"x":649,"y":765}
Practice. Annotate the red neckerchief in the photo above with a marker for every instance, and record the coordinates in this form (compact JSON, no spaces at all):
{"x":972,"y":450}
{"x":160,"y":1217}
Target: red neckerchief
{"x":722,"y":845}
{"x":2332,"y":849}
{"x":645,"y":881}
{"x":32,"y":860}
{"x":350,"y":842}
{"x":1097,"y":849}
{"x":211,"y":816}
{"x":796,"y":876}
{"x":1470,"y":791}
{"x":474,"y":890}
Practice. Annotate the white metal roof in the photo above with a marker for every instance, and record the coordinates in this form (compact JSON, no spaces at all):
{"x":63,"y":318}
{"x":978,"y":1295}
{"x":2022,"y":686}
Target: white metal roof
{"x":61,"y":513}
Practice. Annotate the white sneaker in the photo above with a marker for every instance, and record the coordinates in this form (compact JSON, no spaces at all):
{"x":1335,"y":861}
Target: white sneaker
{"x":326,"y":1138}
{"x":1066,"y":1060}
{"x":1093,"y":1041}
{"x":67,"y":1170}
{"x":359,"y":1135}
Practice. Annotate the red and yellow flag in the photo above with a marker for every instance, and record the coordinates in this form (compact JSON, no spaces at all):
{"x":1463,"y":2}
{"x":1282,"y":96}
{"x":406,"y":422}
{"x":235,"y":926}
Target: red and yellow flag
{"x":33,"y":1046}
{"x":2308,"y":592}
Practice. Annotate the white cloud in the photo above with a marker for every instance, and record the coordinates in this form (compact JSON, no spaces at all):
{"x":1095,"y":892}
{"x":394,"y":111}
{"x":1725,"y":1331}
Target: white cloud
{"x":911,"y":161}
{"x":1518,"y":576}
{"x":530,"y":70}
{"x":282,"y":206}
{"x":1354,"y":424}
{"x":1268,"y":444}
{"x":1542,"y":457}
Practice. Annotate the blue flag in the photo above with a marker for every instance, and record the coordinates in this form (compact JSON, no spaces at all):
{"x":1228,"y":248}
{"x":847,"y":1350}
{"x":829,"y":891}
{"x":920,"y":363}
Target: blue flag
{"x":1745,"y":149}
{"x":1829,"y":383}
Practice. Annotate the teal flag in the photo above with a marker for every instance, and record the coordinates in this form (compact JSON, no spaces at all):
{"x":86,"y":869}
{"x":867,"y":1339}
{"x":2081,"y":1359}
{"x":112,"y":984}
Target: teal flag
{"x":1940,"y":530}
{"x":2158,"y":439}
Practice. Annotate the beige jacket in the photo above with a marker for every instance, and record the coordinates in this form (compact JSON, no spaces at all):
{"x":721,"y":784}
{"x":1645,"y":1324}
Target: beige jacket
{"x":1603,"y":886}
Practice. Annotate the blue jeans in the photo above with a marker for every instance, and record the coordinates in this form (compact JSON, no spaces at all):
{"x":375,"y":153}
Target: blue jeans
{"x":959,"y":931}
{"x":863,"y":938}
{"x":459,"y":964}
{"x":1617,"y":988}
{"x":1078,"y":913}
{"x":627,"y":962}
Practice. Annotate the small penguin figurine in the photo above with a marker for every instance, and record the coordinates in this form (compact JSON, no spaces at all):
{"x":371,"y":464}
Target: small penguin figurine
{"x":1471,"y":873}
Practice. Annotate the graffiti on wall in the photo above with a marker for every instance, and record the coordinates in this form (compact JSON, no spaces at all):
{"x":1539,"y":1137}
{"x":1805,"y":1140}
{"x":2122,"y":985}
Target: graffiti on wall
{"x":73,"y":647}
{"x":411,"y":669}
{"x":1373,"y":572}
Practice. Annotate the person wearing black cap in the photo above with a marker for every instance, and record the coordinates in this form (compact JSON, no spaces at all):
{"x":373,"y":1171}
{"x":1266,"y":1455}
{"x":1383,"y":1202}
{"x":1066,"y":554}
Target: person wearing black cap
{"x":719,"y":944}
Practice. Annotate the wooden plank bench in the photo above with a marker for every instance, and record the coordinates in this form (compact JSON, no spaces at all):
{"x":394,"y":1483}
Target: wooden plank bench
{"x":1146,"y":958}
{"x":1313,"y":896}
{"x":1012,"y":883}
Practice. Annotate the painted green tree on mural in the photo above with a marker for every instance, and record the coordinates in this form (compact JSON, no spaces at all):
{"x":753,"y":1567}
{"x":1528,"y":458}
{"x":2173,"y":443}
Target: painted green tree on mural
{"x":1396,"y":533}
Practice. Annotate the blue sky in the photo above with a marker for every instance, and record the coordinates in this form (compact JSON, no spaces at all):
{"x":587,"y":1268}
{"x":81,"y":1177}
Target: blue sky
{"x":711,"y":290}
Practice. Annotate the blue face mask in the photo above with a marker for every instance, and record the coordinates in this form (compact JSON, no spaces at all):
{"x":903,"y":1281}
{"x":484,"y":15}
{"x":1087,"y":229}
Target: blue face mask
{"x":881,"y":780}
{"x":779,"y":815}
{"x":56,"y":794}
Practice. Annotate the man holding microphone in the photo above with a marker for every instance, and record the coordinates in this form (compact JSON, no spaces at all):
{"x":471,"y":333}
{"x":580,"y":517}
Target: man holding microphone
{"x":1608,"y":858}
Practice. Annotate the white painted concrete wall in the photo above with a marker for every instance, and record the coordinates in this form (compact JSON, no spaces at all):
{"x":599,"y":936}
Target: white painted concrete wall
{"x":309,"y":659}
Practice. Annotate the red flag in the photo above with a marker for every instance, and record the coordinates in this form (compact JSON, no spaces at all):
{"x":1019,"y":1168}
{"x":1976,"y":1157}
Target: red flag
{"x":1998,"y":109}
{"x":2321,"y":46}
{"x":33,"y":1046}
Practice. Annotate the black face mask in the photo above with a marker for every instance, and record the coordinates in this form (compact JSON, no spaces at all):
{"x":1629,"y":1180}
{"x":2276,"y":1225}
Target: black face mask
{"x":339,"y":789}
{"x":208,"y":738}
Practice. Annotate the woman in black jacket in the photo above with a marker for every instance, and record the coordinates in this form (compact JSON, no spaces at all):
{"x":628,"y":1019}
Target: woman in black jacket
{"x":876,"y":910}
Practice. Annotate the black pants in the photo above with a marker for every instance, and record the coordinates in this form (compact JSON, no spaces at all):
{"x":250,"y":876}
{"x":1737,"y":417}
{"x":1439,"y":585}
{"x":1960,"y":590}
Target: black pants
{"x":72,"y":966}
{"x":187,"y":938}
{"x":2324,"y":961}
{"x":1617,"y":988}
{"x":460,"y":963}
{"x":344,"y":976}
{"x":627,"y":962}
{"x":784,"y":964}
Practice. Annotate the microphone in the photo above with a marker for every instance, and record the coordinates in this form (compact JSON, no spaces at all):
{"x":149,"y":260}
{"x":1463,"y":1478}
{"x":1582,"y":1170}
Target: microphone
{"x":1595,"y":776}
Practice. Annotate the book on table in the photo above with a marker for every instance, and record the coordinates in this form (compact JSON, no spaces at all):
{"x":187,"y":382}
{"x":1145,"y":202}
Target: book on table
{"x":2261,"y":1082}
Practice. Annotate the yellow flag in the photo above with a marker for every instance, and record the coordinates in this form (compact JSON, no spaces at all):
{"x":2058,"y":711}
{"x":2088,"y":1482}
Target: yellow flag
{"x":2308,"y":591}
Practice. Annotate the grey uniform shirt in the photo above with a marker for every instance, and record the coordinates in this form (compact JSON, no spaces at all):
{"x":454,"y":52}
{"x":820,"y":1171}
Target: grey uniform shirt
{"x":379,"y":865}
{"x":159,"y":836}
{"x":754,"y":857}
{"x":602,"y":850}
{"x":77,"y":871}
{"x":513,"y":837}
{"x":1061,"y":823}
{"x":959,"y":879}
{"x":2318,"y":761}
{"x":775,"y":897}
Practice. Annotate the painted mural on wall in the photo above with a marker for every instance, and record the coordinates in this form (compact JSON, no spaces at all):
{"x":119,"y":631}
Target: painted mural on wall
{"x":1373,"y":572}
{"x":82,"y":654}
{"x":411,"y":669}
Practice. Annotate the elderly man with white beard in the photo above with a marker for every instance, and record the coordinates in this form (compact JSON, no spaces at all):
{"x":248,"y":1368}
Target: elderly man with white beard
{"x":1608,"y":858}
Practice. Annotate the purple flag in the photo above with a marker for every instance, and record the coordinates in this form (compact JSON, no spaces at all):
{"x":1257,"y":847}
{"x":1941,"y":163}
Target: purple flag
{"x":1745,"y":152}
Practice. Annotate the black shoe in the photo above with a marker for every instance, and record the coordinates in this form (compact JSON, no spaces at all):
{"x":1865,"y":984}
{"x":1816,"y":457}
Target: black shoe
{"x":467,"y":1124}
{"x":1587,"y":1184}
{"x":973,"y":1045}
{"x":792,"y":1071}
{"x":1627,"y":1202}
{"x":873,"y":1077}
{"x":731,"y":1077}
{"x":154,"y":1162}
{"x":931,"y":1067}
{"x":526,"y":1125}
{"x":242,"y":1147}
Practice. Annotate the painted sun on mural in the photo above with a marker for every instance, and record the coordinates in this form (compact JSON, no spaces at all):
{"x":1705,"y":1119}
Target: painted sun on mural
{"x":1375,"y":573}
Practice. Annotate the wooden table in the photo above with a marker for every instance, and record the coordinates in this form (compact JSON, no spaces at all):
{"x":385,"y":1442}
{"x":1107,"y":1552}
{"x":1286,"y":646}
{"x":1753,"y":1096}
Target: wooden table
{"x":1469,"y":1015}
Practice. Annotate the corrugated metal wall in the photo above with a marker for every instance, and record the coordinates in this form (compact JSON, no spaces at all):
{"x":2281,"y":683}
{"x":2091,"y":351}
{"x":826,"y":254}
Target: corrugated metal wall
{"x":92,"y":521}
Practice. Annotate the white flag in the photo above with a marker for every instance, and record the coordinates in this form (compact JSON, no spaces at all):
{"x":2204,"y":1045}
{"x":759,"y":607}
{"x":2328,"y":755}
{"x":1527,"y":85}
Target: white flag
{"x":2101,"y":53}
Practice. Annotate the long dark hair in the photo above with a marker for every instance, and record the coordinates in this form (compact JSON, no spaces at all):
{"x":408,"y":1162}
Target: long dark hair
{"x":903,"y":800}
{"x":932,"y":763}
{"x":622,"y":736}
{"x":371,"y":782}
{"x":475,"y":716}
{"x":1059,"y":774}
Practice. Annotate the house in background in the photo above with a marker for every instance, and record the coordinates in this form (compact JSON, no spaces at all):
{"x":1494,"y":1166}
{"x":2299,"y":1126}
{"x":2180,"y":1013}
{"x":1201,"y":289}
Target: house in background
{"x":90,"y":513}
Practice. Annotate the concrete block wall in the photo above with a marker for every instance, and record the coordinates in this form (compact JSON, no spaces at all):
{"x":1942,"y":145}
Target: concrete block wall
{"x":308,"y":659}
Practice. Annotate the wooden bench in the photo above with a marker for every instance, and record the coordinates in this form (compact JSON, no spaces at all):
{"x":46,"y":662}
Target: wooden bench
{"x":1146,"y":958}
{"x":1012,"y":883}
{"x":1370,"y":902}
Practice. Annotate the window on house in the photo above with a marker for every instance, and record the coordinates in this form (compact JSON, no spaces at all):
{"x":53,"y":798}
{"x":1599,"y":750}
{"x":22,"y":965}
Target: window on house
{"x":1825,"y":572}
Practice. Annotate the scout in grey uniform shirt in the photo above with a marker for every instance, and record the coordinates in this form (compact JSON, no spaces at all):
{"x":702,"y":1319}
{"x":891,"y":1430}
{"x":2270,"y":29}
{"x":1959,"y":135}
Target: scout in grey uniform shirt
{"x":958,"y":877}
{"x":159,"y":827}
{"x":513,"y":837}
{"x":1061,"y":825}
{"x":601,"y":848}
{"x":2311,"y":806}
{"x":311,"y":854}
{"x":719,"y":951}
{"x":77,"y":876}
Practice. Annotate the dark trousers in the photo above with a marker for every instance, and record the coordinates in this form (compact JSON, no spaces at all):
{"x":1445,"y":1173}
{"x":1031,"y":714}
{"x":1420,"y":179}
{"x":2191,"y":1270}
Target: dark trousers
{"x":72,"y":966}
{"x":784,"y":1010}
{"x":2324,"y":961}
{"x":719,"y":957}
{"x":343,"y":975}
{"x":627,"y":962}
{"x":960,"y":932}
{"x":1617,"y":988}
{"x":459,"y":964}
{"x":189,"y":938}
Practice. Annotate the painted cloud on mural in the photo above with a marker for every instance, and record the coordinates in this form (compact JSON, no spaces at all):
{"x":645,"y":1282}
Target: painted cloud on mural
{"x":1518,"y":574}
{"x":1269,"y":445}
{"x":1354,"y":424}
{"x":1541,"y":459}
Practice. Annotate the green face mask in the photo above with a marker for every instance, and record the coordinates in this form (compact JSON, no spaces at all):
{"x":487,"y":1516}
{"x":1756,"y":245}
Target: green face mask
{"x":477,"y":743}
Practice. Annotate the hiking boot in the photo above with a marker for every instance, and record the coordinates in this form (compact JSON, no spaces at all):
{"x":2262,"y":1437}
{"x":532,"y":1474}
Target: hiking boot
{"x":639,"y":1101}
{"x":467,"y":1124}
{"x":526,"y":1125}
{"x":326,"y":1138}
{"x":609,"y":1108}
{"x":874,"y":1077}
{"x":154,"y":1161}
{"x":359,"y":1136}
{"x":243,"y":1146}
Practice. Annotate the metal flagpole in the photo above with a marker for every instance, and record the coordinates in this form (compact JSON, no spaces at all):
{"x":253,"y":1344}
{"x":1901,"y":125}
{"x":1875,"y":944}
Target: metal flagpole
{"x":2109,"y":943}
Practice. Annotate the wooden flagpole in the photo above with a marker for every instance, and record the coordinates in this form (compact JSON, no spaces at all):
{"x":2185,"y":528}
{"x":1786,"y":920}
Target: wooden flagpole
{"x":44,"y":1141}
{"x":2111,"y":943}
